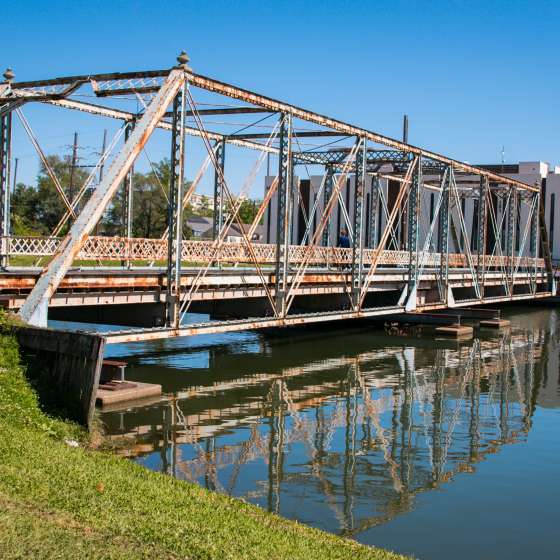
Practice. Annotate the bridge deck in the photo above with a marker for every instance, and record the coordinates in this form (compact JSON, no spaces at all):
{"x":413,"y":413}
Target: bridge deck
{"x":103,"y":286}
{"x":323,"y":288}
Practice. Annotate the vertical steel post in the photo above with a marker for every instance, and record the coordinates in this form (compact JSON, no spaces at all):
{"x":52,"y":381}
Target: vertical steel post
{"x":103,"y":148}
{"x":218,"y":215}
{"x":510,"y":239}
{"x":545,"y":246}
{"x":73,"y":168}
{"x":175,"y":209}
{"x":412,"y":228}
{"x":534,"y":239}
{"x":375,"y":186}
{"x":329,"y":182}
{"x":283,"y":215}
{"x":127,"y":204}
{"x":481,"y":233}
{"x":443,"y":234}
{"x":360,"y":175}
{"x":5,"y":159}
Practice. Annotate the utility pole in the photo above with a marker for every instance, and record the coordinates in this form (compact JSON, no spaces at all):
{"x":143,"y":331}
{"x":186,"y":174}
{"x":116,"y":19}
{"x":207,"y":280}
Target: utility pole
{"x":405,"y":129}
{"x":73,"y":168}
{"x":14,"y":184}
{"x":103,"y":148}
{"x":104,"y":143}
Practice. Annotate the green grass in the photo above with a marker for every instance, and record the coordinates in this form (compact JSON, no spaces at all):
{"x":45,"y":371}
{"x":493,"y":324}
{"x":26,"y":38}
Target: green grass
{"x":58,"y":501}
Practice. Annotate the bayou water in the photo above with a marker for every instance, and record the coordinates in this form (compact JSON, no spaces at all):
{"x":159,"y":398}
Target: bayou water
{"x":434,"y":448}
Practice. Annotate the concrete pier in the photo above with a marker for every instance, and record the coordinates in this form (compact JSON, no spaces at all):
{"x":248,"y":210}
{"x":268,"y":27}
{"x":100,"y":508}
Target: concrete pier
{"x":455,"y":331}
{"x":127,"y":391}
{"x":495,"y":324}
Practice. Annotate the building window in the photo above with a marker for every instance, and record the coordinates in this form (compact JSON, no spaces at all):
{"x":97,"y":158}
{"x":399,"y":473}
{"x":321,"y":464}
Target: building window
{"x":368,"y":219}
{"x":551,"y":221}
{"x":474,"y":233}
{"x":432,"y":197}
{"x":517,"y":224}
{"x":268,"y":217}
{"x":462,"y":238}
{"x":503,"y":234}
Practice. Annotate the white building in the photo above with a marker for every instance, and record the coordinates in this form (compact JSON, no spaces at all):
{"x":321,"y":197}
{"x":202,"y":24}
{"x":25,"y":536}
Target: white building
{"x":533,"y":173}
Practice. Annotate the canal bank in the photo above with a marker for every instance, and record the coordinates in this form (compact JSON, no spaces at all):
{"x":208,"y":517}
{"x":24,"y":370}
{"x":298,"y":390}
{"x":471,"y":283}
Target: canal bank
{"x":60,"y":499}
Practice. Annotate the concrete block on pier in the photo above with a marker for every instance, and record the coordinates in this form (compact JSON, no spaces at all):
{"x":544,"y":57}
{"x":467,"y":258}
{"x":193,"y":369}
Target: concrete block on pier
{"x":495,"y":324}
{"x":455,"y":331}
{"x":123,"y":391}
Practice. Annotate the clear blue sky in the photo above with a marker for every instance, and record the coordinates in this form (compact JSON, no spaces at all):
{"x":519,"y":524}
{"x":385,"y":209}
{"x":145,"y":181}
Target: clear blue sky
{"x":472,"y":76}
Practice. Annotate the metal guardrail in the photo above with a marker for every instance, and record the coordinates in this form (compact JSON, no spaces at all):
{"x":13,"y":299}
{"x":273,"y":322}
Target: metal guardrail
{"x":198,"y":251}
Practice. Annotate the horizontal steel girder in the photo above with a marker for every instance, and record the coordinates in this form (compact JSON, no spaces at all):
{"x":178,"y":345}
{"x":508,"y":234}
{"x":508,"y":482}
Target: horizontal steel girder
{"x":131,"y":335}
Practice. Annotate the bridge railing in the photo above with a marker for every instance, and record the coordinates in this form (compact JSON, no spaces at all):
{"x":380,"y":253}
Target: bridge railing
{"x":101,"y":248}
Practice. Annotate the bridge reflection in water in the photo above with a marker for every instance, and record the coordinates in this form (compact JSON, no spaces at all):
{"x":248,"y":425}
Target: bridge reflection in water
{"x":344,"y":443}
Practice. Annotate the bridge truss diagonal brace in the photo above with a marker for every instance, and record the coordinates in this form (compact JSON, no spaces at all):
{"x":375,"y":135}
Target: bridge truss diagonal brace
{"x":5,"y":159}
{"x":175,"y":210}
{"x":284,"y":214}
{"x":360,"y":176}
{"x":443,"y":237}
{"x":34,"y":309}
{"x":218,"y":214}
{"x":482,"y":227}
{"x":413,"y":216}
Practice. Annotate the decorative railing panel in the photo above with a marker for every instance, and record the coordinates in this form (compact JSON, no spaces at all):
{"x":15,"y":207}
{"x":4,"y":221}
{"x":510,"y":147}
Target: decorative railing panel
{"x":101,"y":248}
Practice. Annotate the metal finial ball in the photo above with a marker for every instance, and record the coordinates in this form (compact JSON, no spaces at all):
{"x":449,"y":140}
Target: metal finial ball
{"x":183,"y":58}
{"x":9,"y":75}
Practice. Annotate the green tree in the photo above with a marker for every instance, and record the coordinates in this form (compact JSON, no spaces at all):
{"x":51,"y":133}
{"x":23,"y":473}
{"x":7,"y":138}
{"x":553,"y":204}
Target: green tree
{"x":37,"y":210}
{"x":204,"y":207}
{"x":247,"y":210}
{"x":149,"y":204}
{"x":52,"y":208}
{"x":25,"y":210}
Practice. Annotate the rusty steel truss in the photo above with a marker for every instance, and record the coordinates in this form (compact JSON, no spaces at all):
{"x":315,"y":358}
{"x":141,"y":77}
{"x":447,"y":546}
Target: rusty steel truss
{"x":508,"y":238}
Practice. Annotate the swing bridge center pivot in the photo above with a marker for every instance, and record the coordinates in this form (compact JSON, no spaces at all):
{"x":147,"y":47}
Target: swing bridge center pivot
{"x":424,"y":231}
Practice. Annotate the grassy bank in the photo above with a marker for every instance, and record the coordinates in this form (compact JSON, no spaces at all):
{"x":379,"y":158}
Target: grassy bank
{"x":60,"y":501}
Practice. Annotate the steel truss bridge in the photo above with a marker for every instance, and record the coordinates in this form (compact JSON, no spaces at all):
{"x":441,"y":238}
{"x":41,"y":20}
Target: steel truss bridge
{"x":399,"y":259}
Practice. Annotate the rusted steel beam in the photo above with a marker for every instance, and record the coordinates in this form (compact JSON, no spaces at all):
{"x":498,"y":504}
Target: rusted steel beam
{"x":131,"y":335}
{"x":250,"y":324}
{"x":26,"y":95}
{"x":295,"y":134}
{"x":10,"y":106}
{"x":111,"y":113}
{"x":345,"y":129}
{"x":225,"y":111}
{"x":125,"y":91}
{"x":34,"y":310}
{"x":93,"y":77}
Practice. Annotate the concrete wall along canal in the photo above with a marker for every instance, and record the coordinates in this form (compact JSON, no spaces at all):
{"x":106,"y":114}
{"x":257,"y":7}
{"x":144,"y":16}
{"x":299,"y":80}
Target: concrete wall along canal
{"x":65,"y":367}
